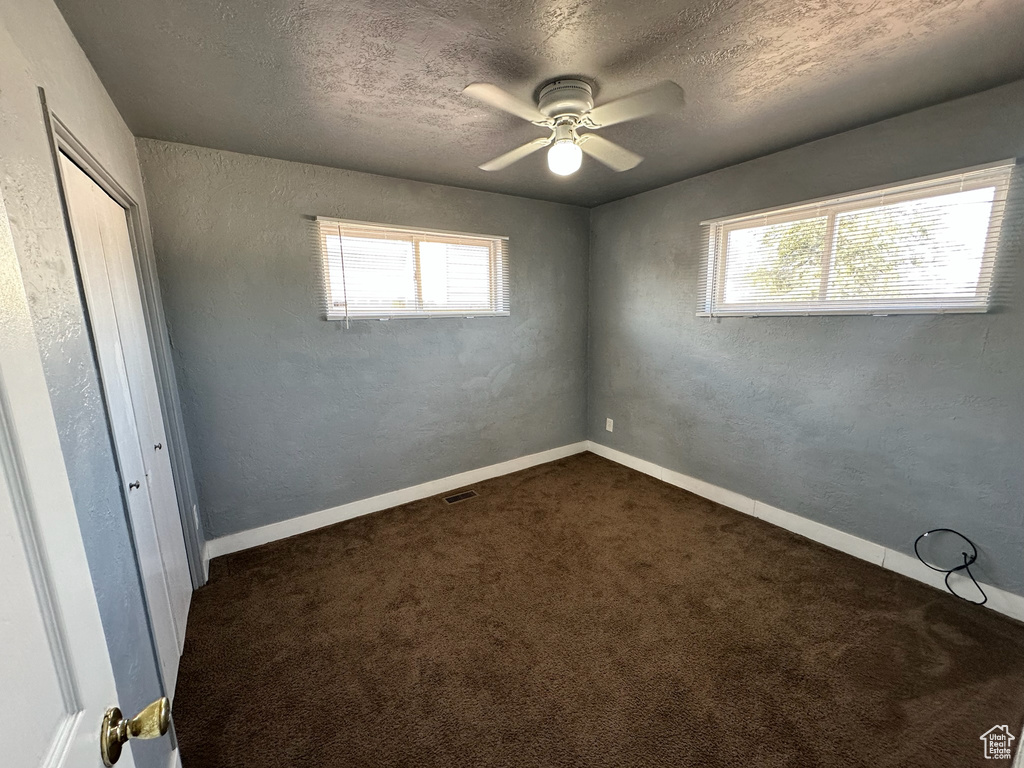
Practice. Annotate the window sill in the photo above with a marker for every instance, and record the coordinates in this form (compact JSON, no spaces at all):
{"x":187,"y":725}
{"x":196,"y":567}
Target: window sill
{"x":873,"y":312}
{"x":416,"y":316}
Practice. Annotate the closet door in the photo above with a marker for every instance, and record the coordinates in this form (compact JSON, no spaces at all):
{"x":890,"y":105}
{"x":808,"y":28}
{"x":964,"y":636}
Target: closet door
{"x":56,"y":679}
{"x":103,"y":248}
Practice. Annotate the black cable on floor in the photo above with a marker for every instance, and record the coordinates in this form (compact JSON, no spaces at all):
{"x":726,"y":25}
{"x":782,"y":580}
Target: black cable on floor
{"x":969,"y":559}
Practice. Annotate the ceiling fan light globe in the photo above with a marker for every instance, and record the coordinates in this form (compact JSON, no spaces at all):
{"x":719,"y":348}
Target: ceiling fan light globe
{"x":565,"y":157}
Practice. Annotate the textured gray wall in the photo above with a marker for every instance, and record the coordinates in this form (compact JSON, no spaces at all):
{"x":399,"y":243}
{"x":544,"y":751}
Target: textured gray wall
{"x":36,"y":48}
{"x":289,"y":414}
{"x":879,"y":426}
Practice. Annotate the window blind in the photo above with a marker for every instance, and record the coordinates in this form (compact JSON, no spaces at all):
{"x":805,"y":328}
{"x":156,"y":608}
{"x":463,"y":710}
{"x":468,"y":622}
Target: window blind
{"x":923,"y":246}
{"x":384,"y":272}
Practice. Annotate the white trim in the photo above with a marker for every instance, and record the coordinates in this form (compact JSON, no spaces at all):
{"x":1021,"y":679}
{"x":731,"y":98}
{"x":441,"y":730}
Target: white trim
{"x":823,"y":534}
{"x":919,"y":296}
{"x":62,"y":140}
{"x":999,"y":600}
{"x":205,"y":558}
{"x":460,"y":315}
{"x":822,"y":309}
{"x":414,"y":230}
{"x":896,"y":187}
{"x":236,"y":542}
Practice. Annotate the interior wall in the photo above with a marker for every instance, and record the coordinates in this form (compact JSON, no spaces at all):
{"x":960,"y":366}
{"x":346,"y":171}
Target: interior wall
{"x":883,"y":427}
{"x":37,"y":49}
{"x":289,"y":414}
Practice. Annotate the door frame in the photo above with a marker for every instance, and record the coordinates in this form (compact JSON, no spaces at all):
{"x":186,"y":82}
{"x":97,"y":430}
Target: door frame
{"x":63,"y":140}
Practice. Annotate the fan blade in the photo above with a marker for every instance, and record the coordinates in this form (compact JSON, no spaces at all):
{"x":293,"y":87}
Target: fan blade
{"x":504,"y":161}
{"x":660,"y":98}
{"x":496,"y":97}
{"x":608,"y":152}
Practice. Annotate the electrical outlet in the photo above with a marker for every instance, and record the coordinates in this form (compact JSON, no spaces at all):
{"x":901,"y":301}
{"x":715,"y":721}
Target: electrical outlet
{"x":609,"y":425}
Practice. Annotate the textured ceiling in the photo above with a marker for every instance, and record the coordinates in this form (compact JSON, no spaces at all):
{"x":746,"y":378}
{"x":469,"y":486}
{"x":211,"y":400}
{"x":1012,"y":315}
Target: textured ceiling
{"x":375,"y":85}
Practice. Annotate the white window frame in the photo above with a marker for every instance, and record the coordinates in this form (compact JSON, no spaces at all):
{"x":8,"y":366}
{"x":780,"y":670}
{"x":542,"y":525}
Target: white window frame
{"x":332,"y":309}
{"x":713,"y":265}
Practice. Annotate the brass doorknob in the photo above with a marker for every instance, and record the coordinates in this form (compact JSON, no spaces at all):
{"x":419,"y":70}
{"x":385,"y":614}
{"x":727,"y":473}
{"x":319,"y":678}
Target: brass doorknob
{"x":150,"y":723}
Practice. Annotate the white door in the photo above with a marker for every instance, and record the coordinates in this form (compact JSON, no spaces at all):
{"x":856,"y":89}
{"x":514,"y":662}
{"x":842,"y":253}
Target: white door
{"x":55,"y":675}
{"x":103,"y":248}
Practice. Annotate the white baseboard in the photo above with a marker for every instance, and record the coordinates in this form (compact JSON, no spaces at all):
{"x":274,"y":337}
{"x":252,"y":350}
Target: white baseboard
{"x":204,"y":554}
{"x":999,"y":600}
{"x":236,"y":542}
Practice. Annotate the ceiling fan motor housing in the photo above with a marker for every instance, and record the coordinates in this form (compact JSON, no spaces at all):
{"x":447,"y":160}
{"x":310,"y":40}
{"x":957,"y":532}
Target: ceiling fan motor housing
{"x":565,"y":97}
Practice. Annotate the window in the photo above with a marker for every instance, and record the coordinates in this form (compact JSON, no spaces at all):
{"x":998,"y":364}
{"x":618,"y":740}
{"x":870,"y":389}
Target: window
{"x":923,"y":246}
{"x":378,"y":271}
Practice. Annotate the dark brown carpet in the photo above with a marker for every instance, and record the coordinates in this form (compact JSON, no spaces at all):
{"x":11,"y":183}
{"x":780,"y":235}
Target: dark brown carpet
{"x":583,"y":614}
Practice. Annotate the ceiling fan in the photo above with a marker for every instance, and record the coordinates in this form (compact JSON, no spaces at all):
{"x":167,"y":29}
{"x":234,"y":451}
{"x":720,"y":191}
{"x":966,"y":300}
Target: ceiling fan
{"x":567,"y":105}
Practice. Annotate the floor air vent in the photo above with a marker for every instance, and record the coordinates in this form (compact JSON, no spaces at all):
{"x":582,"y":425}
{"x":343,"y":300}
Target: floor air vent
{"x":460,"y":497}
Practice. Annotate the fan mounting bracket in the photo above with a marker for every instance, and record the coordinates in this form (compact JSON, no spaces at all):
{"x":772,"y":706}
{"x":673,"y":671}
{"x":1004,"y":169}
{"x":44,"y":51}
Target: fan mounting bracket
{"x":564,"y":97}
